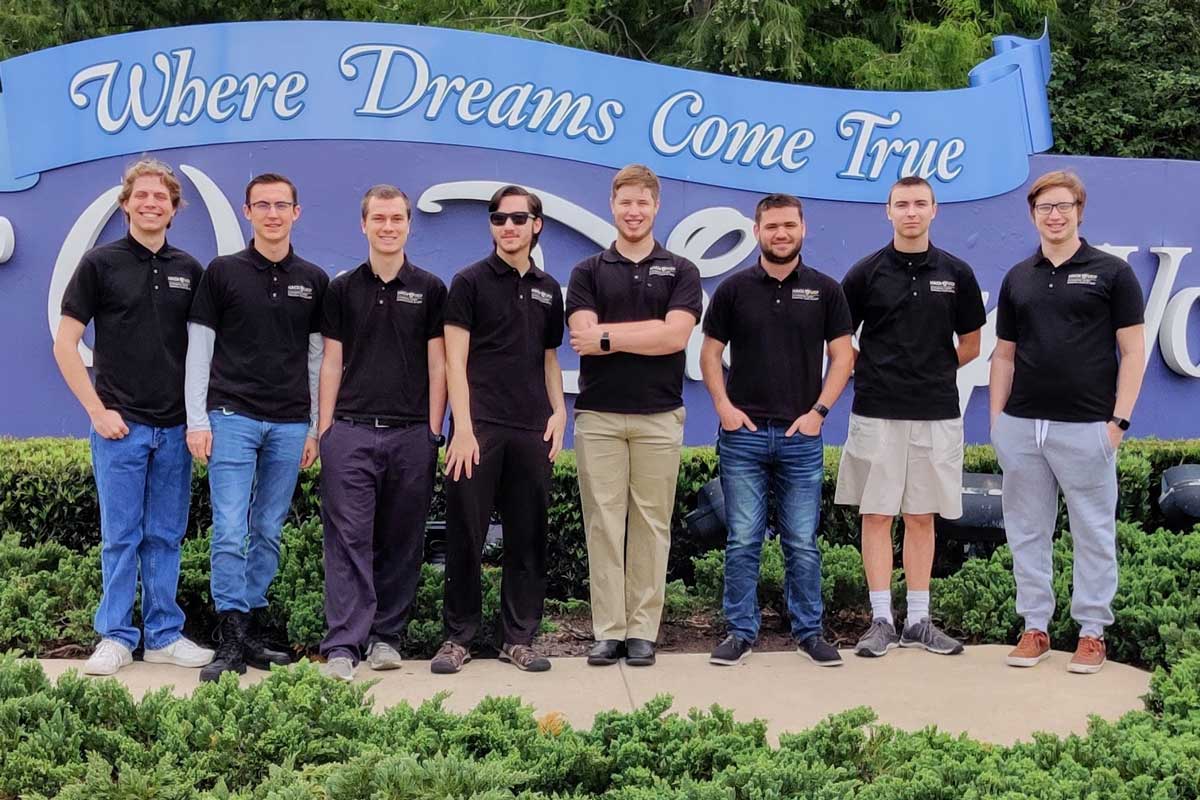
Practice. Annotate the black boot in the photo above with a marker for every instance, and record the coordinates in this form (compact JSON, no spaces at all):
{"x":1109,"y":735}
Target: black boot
{"x":259,"y":653}
{"x":230,"y":656}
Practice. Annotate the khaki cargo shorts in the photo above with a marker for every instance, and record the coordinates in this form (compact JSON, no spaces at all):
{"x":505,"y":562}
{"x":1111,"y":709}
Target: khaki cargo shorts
{"x":895,"y":466}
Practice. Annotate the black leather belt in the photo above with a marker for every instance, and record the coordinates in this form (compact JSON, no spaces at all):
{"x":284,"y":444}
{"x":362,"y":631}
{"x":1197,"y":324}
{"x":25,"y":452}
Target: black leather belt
{"x":378,"y":422}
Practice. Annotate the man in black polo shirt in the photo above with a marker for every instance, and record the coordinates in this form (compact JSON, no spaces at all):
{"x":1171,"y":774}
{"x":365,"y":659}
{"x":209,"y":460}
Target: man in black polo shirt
{"x":382,"y":399}
{"x":137,"y":290}
{"x":903,"y":453}
{"x":254,"y":353}
{"x":1060,"y":404}
{"x":631,"y":309}
{"x":504,"y":323}
{"x":776,"y":316}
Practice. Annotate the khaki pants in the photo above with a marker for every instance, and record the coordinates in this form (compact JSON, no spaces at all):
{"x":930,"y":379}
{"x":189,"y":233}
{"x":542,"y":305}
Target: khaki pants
{"x":628,"y":469}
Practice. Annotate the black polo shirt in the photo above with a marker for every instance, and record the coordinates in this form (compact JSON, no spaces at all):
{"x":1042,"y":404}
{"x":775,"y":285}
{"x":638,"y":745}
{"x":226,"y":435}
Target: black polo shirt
{"x":776,"y":331}
{"x":262,"y":313}
{"x":1064,"y":321}
{"x":910,"y":306}
{"x":385,"y":330}
{"x":620,"y":291}
{"x":513,"y":321}
{"x":139,"y":302}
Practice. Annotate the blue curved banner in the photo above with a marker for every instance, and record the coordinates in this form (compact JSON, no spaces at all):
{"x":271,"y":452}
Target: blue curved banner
{"x":272,"y":81}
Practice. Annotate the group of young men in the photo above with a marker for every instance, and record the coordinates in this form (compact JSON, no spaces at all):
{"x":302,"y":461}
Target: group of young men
{"x":261,"y":363}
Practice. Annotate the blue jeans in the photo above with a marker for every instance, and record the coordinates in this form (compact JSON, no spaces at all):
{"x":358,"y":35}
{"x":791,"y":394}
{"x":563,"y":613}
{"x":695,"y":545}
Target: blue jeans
{"x":144,"y":482}
{"x":751,"y":463}
{"x":251,"y":474}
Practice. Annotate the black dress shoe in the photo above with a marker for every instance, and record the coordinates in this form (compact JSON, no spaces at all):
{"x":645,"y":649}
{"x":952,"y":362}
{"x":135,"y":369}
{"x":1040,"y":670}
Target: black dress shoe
{"x":606,"y":652}
{"x":639,"y":652}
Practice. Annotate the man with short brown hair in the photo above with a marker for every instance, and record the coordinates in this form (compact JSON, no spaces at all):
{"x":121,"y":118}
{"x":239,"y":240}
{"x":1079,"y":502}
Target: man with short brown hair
{"x":904,"y":449}
{"x":631,"y":309}
{"x":1061,"y":400}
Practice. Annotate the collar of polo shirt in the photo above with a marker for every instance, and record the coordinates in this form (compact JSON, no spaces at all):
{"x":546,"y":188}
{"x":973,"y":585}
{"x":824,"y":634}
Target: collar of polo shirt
{"x":143,"y":253}
{"x":928,"y":260}
{"x":502,"y":267}
{"x":763,"y":275}
{"x":613,"y":256}
{"x":1080,"y":258}
{"x":401,"y":277}
{"x":262,"y":262}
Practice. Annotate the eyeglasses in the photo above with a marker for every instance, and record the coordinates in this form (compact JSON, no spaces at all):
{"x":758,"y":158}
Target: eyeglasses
{"x":499,"y":218}
{"x":281,"y":207}
{"x":1044,"y":209}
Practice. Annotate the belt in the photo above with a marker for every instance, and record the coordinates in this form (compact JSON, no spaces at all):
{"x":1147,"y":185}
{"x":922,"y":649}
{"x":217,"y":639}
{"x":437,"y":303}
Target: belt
{"x":378,"y":422}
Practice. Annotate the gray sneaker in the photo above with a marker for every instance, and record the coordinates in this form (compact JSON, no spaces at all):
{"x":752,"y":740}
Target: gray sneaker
{"x":925,"y":634}
{"x":878,"y":639}
{"x":383,"y":656}
{"x":340,"y":668}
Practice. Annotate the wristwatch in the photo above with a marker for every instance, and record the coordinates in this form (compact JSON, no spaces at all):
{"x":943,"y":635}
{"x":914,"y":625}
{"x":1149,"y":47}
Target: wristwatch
{"x":605,"y":342}
{"x":822,"y":410}
{"x":1120,"y":422}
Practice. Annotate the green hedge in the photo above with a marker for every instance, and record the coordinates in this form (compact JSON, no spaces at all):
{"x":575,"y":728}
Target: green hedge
{"x":47,"y":494}
{"x":299,"y":736}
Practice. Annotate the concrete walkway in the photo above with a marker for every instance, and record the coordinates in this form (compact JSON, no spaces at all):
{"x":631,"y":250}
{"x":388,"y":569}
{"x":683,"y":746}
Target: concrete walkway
{"x":973,"y":693}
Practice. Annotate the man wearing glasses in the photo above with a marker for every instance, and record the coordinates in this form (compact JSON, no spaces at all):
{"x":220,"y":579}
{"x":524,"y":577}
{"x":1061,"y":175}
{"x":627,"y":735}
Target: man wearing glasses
{"x":504,"y":323}
{"x":254,"y":353}
{"x":1060,"y":403}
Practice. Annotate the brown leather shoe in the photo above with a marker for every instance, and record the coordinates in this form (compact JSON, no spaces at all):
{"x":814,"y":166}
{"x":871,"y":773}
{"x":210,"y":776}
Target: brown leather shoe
{"x":1033,"y":648}
{"x":1089,"y":656}
{"x":449,"y":659}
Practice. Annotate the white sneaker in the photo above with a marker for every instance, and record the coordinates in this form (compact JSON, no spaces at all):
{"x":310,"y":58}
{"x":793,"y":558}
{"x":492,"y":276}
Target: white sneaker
{"x":183,"y":652}
{"x":108,"y":657}
{"x":339,"y":668}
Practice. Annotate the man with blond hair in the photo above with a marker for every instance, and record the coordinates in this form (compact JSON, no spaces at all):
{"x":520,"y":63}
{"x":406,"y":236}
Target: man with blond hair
{"x":382,"y":399}
{"x":137,"y":292}
{"x":630,"y":310}
{"x":1061,"y":401}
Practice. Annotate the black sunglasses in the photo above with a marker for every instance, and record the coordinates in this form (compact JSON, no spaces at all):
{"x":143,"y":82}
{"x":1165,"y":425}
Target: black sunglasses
{"x":499,"y":218}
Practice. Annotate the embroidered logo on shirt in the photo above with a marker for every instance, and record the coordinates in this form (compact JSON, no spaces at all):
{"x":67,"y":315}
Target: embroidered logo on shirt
{"x":413,"y":298}
{"x":303,"y":292}
{"x":666,"y":271}
{"x":179,"y":282}
{"x":945,"y":287}
{"x":1082,"y":278}
{"x":806,"y":294}
{"x":545,"y":298}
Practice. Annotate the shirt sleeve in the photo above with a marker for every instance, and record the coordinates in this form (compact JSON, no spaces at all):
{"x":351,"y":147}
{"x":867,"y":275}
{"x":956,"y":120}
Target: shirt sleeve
{"x":1006,"y":313}
{"x":554,"y":320}
{"x":854,"y":289}
{"x":970,"y":314}
{"x":82,"y":296}
{"x":321,"y":287}
{"x":838,"y":321}
{"x":460,"y":303}
{"x":1125,"y":300}
{"x":716,"y":318}
{"x":197,"y":366}
{"x":436,"y":320}
{"x":686,"y":294}
{"x":206,"y":304}
{"x":581,"y":290}
{"x":331,"y":312}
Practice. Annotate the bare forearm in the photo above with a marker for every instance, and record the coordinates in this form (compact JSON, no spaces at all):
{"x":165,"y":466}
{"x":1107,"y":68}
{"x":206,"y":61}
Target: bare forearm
{"x":1129,"y":384}
{"x":330,"y":383}
{"x":437,"y":397}
{"x":66,"y":354}
{"x":836,"y":378}
{"x":713,"y":373}
{"x":660,"y":341}
{"x":999,"y":385}
{"x":554,"y":383}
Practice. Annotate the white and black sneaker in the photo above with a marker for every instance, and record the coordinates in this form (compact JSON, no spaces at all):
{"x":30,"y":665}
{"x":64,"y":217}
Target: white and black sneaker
{"x":730,"y":651}
{"x":819,"y":651}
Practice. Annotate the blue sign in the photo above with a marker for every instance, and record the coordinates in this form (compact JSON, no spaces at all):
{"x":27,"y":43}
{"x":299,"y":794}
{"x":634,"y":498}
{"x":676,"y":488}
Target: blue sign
{"x":280,"y":81}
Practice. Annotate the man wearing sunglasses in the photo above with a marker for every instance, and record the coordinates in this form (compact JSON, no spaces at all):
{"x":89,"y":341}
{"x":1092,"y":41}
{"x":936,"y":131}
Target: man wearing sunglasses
{"x":504,"y":323}
{"x":254,"y":354}
{"x":1061,"y":400}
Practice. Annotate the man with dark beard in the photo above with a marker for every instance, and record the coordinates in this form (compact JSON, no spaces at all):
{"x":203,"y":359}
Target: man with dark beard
{"x":777,"y":316}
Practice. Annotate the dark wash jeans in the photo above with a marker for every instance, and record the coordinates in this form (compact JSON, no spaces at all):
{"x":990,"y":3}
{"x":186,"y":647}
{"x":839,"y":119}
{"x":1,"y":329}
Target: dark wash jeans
{"x":753,"y":463}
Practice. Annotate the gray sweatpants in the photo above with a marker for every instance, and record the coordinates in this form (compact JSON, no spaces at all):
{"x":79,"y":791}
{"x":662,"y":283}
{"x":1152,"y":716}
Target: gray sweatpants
{"x":1039,"y":456}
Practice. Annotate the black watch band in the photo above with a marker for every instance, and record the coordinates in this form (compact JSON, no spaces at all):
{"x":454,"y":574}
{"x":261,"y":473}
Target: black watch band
{"x":820,"y":409}
{"x":1120,"y":422}
{"x":605,"y":342}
